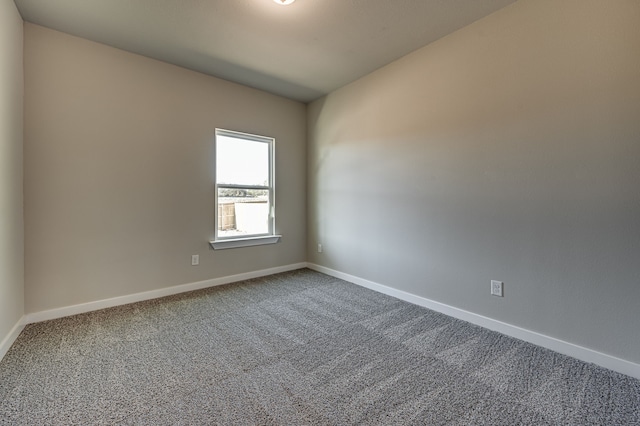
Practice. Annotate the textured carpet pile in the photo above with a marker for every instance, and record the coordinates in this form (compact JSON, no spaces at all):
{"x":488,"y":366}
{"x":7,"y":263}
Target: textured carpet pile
{"x":293,"y":349}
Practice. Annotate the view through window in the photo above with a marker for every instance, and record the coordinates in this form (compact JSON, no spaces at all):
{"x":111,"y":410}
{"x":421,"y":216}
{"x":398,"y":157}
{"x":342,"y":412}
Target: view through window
{"x":244,"y":185}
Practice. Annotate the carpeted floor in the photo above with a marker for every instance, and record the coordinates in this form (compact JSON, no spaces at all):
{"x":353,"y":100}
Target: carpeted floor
{"x":293,"y":349}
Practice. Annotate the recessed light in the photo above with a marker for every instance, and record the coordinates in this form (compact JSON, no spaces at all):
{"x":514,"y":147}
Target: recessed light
{"x":284,"y":2}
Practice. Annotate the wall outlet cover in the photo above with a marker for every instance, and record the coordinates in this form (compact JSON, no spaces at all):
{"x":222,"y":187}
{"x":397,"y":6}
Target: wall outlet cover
{"x":497,"y":288}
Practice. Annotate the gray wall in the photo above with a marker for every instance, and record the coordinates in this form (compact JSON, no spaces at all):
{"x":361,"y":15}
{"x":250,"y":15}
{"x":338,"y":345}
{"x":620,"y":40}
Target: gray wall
{"x":11,"y":216}
{"x":508,"y":150}
{"x":118,"y":172}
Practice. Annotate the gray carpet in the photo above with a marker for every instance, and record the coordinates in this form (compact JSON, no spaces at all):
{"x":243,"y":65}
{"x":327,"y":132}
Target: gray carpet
{"x":293,"y":349}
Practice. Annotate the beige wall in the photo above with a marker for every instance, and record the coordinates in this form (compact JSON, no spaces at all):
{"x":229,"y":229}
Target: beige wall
{"x":508,"y":150}
{"x":118,"y":173}
{"x":11,"y":217}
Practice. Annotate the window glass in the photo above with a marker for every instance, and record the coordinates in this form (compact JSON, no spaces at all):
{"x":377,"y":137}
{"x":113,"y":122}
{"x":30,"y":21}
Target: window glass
{"x":244,"y":185}
{"x":242,"y":162}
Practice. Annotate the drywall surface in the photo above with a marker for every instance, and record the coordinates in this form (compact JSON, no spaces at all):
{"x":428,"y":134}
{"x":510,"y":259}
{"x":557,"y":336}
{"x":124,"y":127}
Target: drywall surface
{"x":11,"y":212}
{"x":119,"y":175}
{"x":506,"y":151}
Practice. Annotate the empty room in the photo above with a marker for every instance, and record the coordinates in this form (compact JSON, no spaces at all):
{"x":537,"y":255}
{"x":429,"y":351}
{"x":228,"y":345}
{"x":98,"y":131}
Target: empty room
{"x":279,"y":212}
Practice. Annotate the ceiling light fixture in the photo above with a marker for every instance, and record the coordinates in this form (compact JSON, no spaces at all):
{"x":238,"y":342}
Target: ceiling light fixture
{"x":284,"y":2}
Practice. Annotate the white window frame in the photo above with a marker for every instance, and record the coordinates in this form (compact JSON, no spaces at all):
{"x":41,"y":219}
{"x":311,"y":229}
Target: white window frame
{"x":226,"y":242}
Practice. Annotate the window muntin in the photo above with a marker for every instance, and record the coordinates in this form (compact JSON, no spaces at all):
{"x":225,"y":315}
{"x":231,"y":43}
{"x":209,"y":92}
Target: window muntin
{"x":244,"y":189}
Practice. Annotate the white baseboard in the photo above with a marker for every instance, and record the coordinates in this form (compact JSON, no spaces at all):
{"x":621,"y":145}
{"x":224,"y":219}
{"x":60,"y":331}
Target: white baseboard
{"x":584,"y":354}
{"x":153,"y":294}
{"x":6,"y":343}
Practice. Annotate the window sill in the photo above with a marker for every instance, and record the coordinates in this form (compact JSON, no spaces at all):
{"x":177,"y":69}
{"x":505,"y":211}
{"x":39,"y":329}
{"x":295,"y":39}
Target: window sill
{"x":244,"y":242}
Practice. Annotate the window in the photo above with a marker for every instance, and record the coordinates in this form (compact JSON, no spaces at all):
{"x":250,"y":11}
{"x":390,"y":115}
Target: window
{"x":244,"y":190}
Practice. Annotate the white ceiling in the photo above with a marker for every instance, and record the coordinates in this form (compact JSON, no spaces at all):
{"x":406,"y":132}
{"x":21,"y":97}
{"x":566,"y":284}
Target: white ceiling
{"x":301,"y":51}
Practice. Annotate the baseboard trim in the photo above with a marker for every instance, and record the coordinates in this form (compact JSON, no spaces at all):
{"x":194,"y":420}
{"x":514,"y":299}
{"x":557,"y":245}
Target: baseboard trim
{"x":6,"y":343}
{"x":154,"y":294}
{"x":579,"y":352}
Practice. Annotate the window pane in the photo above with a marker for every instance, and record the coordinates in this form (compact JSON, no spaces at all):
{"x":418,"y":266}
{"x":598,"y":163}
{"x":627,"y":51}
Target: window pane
{"x":241,"y":162}
{"x":242,"y":212}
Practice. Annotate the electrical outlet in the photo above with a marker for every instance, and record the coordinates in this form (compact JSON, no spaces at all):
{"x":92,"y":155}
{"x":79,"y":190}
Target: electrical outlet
{"x":319,"y":248}
{"x":496,"y":288}
{"x":195,"y":259}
